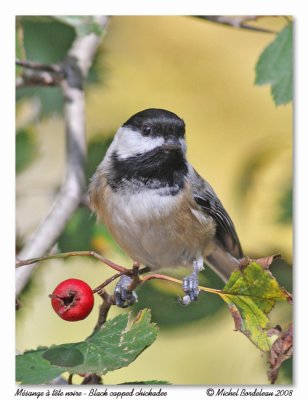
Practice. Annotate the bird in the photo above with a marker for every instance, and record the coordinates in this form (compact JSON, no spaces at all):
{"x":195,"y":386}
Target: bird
{"x":157,"y":207}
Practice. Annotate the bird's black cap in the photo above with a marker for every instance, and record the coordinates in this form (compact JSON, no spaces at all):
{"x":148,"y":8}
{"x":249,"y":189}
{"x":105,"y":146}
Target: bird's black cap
{"x":162,"y":122}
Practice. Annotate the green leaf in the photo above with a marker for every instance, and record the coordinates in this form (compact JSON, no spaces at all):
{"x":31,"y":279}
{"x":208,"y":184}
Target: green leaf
{"x":249,"y":319}
{"x":114,"y":346}
{"x":26,"y":148}
{"x":257,"y":283}
{"x":31,"y":368}
{"x":275,"y":66}
{"x":64,"y":356}
{"x":46,"y":40}
{"x":251,"y":293}
{"x":117,"y":344}
{"x":83,"y":25}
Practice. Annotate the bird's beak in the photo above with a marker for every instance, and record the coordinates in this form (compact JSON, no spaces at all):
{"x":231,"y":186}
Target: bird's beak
{"x":172,"y":143}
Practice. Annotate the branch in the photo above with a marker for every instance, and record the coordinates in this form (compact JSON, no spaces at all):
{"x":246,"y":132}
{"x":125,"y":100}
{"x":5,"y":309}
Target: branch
{"x":55,"y":68}
{"x":38,"y":74}
{"x":236,"y":21}
{"x":39,"y":78}
{"x":84,"y":48}
{"x":108,"y":301}
{"x":86,"y":253}
{"x":75,"y":68}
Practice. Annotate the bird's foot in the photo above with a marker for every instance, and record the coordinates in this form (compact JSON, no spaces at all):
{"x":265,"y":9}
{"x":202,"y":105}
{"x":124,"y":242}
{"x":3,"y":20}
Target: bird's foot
{"x":190,"y":287}
{"x":122,"y":295}
{"x":191,"y":283}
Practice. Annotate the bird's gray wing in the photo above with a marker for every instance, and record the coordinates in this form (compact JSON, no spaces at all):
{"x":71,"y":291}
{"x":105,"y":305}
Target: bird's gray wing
{"x":207,"y":199}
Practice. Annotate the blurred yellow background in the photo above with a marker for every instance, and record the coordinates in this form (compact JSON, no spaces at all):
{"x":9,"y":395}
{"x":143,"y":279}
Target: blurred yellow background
{"x":204,"y":73}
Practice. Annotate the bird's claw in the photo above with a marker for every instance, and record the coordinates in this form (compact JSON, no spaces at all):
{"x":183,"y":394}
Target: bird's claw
{"x":190,"y":287}
{"x":122,"y":295}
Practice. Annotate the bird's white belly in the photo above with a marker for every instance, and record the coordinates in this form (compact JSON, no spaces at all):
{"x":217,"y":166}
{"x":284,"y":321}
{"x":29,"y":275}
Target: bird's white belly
{"x":150,"y":229}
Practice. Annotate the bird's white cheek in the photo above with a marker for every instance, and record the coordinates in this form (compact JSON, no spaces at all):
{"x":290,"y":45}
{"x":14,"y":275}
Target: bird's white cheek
{"x":129,"y":142}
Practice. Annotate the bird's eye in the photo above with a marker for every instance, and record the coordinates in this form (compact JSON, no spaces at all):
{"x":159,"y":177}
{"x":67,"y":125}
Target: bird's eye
{"x":146,"y":129}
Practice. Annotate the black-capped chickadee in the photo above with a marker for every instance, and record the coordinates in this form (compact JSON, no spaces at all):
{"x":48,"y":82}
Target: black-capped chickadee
{"x":157,"y":207}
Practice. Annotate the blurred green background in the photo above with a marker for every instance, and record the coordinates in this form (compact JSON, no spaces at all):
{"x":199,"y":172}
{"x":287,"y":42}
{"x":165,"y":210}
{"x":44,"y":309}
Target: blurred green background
{"x":237,"y":139}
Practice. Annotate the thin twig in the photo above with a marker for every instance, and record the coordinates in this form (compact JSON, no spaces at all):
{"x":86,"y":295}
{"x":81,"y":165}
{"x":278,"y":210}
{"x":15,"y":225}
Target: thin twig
{"x":134,"y":272}
{"x":33,"y":65}
{"x":37,"y":78}
{"x":39,"y":74}
{"x":108,"y":301}
{"x":87,"y":253}
{"x":135,"y":278}
{"x":174,"y":280}
{"x":238,"y":22}
{"x":108,"y":281}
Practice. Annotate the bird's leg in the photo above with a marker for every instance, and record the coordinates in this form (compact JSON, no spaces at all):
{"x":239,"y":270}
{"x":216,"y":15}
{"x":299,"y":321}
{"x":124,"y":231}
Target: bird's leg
{"x":191,"y":283}
{"x":124,"y":293}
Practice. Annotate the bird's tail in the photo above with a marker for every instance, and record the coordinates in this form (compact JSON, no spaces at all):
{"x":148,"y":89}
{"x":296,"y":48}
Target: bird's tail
{"x":222,"y":263}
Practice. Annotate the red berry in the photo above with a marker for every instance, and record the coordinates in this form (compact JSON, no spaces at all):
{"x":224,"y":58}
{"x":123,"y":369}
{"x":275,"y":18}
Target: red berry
{"x":72,"y":300}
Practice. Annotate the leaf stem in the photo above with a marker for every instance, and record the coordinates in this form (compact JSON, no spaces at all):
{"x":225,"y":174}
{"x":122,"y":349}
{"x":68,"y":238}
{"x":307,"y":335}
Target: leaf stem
{"x":174,"y":280}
